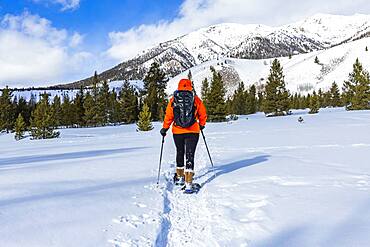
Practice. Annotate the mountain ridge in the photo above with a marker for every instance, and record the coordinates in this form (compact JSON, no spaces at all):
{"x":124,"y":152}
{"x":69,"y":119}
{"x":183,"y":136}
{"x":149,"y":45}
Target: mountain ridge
{"x":233,"y":40}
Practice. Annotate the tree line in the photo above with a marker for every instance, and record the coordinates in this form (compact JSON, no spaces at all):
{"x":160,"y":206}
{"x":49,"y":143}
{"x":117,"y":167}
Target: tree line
{"x":275,"y":100}
{"x":92,"y":107}
{"x":99,"y":106}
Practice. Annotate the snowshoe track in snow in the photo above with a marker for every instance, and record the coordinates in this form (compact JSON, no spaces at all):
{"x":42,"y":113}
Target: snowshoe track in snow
{"x":185,"y":220}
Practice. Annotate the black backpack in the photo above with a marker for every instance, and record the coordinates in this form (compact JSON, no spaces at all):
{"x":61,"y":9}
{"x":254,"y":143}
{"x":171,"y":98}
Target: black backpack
{"x":183,"y":108}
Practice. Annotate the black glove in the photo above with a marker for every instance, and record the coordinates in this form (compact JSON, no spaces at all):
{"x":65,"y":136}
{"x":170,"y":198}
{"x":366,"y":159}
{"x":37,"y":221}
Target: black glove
{"x":202,"y":127}
{"x":163,"y":132}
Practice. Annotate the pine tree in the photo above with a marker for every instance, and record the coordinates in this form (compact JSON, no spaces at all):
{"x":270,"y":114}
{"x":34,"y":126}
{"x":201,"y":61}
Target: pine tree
{"x":103,"y":104}
{"x":57,"y":110}
{"x":239,"y":100}
{"x":42,"y":123}
{"x":366,"y":49}
{"x":260,"y":100}
{"x":155,"y":84}
{"x":276,"y":102}
{"x":115,"y":111}
{"x":20,"y":128}
{"x":320,"y":96}
{"x":335,"y":99}
{"x":90,"y":110}
{"x":23,"y":108}
{"x":78,"y":106}
{"x":6,"y":111}
{"x":251,"y":100}
{"x":229,"y":106}
{"x":129,"y":103}
{"x":356,"y":91}
{"x":317,"y":61}
{"x":144,"y":123}
{"x":216,"y":99}
{"x":205,"y":92}
{"x":67,"y":111}
{"x":295,"y":101}
{"x":190,"y":76}
{"x":314,"y":104}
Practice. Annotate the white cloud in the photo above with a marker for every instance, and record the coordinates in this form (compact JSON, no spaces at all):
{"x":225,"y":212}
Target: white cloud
{"x":76,"y":39}
{"x":195,"y":14}
{"x":68,"y":4}
{"x":32,"y":50}
{"x":65,"y":4}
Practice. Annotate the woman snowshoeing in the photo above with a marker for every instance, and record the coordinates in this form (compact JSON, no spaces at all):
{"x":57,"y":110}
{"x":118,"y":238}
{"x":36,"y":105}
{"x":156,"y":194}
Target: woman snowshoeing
{"x":188,"y":114}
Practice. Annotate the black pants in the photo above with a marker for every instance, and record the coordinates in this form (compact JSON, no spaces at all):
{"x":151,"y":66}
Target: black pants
{"x":186,"y":144}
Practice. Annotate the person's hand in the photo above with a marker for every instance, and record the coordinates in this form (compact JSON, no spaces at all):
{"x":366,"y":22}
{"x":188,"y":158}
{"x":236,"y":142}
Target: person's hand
{"x":201,"y":127}
{"x":163,"y":132}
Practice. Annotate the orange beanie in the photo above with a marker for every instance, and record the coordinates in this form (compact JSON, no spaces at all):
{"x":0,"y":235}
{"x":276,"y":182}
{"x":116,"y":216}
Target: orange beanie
{"x":185,"y":84}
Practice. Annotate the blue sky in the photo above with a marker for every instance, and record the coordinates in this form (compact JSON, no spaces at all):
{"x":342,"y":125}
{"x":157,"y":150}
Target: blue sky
{"x":96,"y":18}
{"x":46,"y":42}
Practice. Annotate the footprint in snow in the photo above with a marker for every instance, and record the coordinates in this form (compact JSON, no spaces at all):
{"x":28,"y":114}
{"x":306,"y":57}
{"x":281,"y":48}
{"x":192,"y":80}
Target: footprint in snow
{"x":134,"y":221}
{"x":140,"y":205}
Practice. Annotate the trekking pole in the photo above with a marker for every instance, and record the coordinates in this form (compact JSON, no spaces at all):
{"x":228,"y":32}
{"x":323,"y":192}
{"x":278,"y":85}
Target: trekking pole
{"x":209,"y":155}
{"x":160,"y":160}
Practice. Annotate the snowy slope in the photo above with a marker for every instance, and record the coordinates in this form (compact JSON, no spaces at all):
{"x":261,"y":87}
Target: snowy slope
{"x":249,"y":41}
{"x":301,"y":73}
{"x":275,"y":183}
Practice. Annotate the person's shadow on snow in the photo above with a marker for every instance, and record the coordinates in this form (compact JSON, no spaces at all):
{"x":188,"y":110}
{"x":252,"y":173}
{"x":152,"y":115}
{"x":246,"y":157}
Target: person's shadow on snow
{"x":230,"y":167}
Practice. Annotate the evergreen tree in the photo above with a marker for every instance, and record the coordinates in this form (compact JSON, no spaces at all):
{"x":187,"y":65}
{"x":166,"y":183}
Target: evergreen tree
{"x":57,"y":110}
{"x":260,"y":100}
{"x":78,"y":106}
{"x":295,"y":101}
{"x":22,"y":107}
{"x":67,"y":111}
{"x":90,"y":110}
{"x":317,"y":61}
{"x":335,"y":99}
{"x":251,"y":100}
{"x":115,"y":111}
{"x":103,"y":104}
{"x":366,"y":49}
{"x":314,"y":104}
{"x":239,"y":100}
{"x":276,"y":100}
{"x":320,"y":96}
{"x":144,"y":123}
{"x":229,"y":106}
{"x":356,"y":90}
{"x":129,"y":103}
{"x":20,"y":128}
{"x":155,"y":84}
{"x":190,"y":76}
{"x":216,"y":98}
{"x":95,"y":83}
{"x":205,"y":92}
{"x":6,"y":111}
{"x":42,"y":123}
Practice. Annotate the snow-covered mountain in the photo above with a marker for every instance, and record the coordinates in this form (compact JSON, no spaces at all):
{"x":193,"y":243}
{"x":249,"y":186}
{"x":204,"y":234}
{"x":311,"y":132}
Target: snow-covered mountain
{"x":232,"y":40}
{"x":301,"y":72}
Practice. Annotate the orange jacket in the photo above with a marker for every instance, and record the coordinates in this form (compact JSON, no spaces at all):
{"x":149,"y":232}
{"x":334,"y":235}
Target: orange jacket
{"x":200,"y":115}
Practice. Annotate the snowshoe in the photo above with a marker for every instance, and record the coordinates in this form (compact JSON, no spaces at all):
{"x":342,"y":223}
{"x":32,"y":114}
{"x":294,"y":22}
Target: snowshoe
{"x":178,"y":180}
{"x":193,"y":188}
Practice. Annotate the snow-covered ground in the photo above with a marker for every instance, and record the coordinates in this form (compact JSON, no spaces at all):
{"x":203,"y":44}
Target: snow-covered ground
{"x":276,"y":182}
